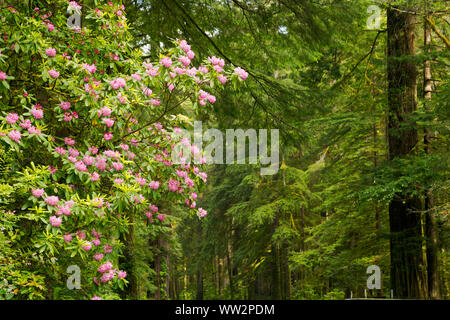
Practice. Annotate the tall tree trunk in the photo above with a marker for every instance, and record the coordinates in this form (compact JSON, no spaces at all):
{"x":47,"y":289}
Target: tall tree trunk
{"x":430,"y":220}
{"x":219,"y":275}
{"x":286,"y":273}
{"x":158,"y":262}
{"x":276,"y":283}
{"x":230,"y":271}
{"x":199,"y":293}
{"x":404,"y":210}
{"x":375,"y":164}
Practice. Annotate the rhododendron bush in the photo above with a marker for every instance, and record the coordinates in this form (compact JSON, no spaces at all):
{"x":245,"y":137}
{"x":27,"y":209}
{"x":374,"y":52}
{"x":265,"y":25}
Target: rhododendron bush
{"x":90,"y":128}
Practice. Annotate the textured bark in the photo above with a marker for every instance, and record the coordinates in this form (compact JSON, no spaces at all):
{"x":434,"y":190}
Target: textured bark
{"x":375,"y":164}
{"x":158,"y":261}
{"x":407,"y":279}
{"x":432,"y":250}
{"x":230,"y":271}
{"x":199,"y":293}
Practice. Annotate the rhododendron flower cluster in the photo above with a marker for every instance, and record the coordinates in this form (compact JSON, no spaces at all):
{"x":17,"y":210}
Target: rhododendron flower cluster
{"x":98,"y":161}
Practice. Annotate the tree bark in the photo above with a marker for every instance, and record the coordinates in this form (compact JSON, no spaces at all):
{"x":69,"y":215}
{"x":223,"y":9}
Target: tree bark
{"x":199,"y":295}
{"x":432,"y":247}
{"x":404,"y":210}
{"x":158,"y":261}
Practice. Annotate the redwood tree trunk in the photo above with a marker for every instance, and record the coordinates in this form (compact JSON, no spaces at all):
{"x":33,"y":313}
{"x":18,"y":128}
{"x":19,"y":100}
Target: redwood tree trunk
{"x":430,"y":220}
{"x":404,"y":210}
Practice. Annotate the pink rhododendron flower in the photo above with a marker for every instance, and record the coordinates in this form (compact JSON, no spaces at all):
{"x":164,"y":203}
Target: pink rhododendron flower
{"x":185,"y":46}
{"x":75,"y":5}
{"x":154,"y":185}
{"x":63,"y":210}
{"x":107,"y":248}
{"x":14,"y":135}
{"x":166,"y":62}
{"x":69,"y":141}
{"x":105,"y":111}
{"x":52,"y":200}
{"x":89,"y":68}
{"x":222,"y":79}
{"x":140,"y":181}
{"x":98,"y":256}
{"x":201,"y":212}
{"x":161,"y":217}
{"x":153,"y":72}
{"x":50,"y":52}
{"x":37,"y":192}
{"x":37,"y":112}
{"x":211,"y":99}
{"x":67,"y":237}
{"x":121,"y":274}
{"x":72,"y":159}
{"x":112,"y":154}
{"x":117,"y":83}
{"x":55,"y":222}
{"x":96,"y":242}
{"x":87,"y":246}
{"x":74,"y":152}
{"x":65,"y":105}
{"x":80,"y":166}
{"x":118,"y":181}
{"x":25,"y":124}
{"x":173,"y":185}
{"x":95,"y":176}
{"x":241,"y":73}
{"x":121,"y":98}
{"x":53,"y":73}
{"x":107,"y":276}
{"x":93,"y":150}
{"x":100,"y":164}
{"x":203,"y":175}
{"x":12,"y":118}
{"x":191,"y":54}
{"x":189,"y":182}
{"x":184,"y":60}
{"x":105,"y":267}
{"x":108,"y":136}
{"x":88,"y":160}
{"x":203,"y":69}
{"x":2,"y":76}
{"x":147,"y":91}
{"x":67,"y":117}
{"x":109,"y":122}
{"x":155,"y":102}
{"x":118,"y":166}
{"x":81,"y":235}
{"x":34,"y":130}
{"x":96,"y":298}
{"x":153,"y":208}
{"x":136,"y":77}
